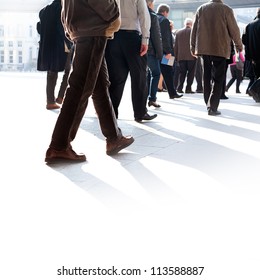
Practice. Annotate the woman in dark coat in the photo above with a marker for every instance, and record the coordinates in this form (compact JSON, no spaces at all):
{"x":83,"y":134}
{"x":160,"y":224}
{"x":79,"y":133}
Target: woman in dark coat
{"x":54,"y":51}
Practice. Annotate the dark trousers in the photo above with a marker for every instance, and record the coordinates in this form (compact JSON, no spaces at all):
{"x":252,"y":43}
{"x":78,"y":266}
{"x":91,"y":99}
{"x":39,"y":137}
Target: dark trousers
{"x":256,"y":67}
{"x":187,"y":69}
{"x":199,"y":74}
{"x":123,"y":57}
{"x":89,"y":76}
{"x":223,"y":93}
{"x":168,"y":76}
{"x":214,"y":75}
{"x":249,"y":72}
{"x":176,"y":74}
{"x":237,"y":75}
{"x":153,"y":76}
{"x":52,"y":78}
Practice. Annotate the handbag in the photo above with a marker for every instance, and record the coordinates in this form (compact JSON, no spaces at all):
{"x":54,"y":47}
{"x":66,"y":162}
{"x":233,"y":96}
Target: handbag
{"x":239,"y":62}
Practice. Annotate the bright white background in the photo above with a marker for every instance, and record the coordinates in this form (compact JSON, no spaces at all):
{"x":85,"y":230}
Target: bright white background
{"x":186,"y":193}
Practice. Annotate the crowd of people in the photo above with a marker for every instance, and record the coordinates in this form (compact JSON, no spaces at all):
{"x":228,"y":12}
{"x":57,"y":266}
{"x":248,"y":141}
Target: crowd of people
{"x":109,"y":42}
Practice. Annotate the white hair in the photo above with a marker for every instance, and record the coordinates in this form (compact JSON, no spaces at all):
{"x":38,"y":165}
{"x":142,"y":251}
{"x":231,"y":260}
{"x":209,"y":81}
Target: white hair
{"x":188,"y":21}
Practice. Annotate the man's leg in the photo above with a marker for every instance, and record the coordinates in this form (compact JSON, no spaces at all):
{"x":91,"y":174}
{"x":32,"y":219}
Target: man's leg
{"x":198,"y":75}
{"x":256,"y":67}
{"x":182,"y":75}
{"x":168,"y":74}
{"x":104,"y":106}
{"x":117,"y":68}
{"x":131,"y":45}
{"x":50,"y":86}
{"x":82,"y":81}
{"x":219,"y":67}
{"x":191,"y":65}
{"x":207,"y":74}
{"x":155,"y":72}
{"x":64,"y":82}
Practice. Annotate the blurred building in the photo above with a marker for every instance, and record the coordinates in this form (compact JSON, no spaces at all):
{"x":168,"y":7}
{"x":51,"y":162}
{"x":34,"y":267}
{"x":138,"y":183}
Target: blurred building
{"x":18,"y":36}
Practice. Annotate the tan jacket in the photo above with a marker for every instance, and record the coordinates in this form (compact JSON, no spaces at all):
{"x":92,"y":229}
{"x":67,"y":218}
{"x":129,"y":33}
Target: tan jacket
{"x":213,"y":30}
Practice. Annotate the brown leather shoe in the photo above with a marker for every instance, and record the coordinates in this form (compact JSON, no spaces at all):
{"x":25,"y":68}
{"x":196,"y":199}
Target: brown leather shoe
{"x":52,"y":106}
{"x":113,"y":147}
{"x":53,"y":155}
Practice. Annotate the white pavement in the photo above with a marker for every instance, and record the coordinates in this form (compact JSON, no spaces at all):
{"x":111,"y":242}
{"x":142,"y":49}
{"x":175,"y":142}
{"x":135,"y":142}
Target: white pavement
{"x":185,"y":193}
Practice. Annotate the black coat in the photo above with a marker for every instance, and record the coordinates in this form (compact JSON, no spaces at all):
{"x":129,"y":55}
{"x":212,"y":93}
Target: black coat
{"x":155,"y":42}
{"x":251,"y":40}
{"x":166,"y":33}
{"x":52,"y":55}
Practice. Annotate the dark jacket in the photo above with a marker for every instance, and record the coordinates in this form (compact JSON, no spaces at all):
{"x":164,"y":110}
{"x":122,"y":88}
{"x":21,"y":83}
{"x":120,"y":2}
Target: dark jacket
{"x":80,"y":18}
{"x":251,"y":40}
{"x":167,"y":39}
{"x":52,"y":55}
{"x":155,"y":41}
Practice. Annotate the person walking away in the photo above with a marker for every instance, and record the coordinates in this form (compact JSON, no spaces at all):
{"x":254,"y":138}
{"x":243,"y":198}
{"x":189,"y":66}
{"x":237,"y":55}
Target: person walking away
{"x":55,"y":52}
{"x":214,"y":28}
{"x":186,"y":61}
{"x":176,"y":67}
{"x":236,"y":71}
{"x":168,"y":51}
{"x":251,"y":40}
{"x":89,"y":24}
{"x":127,"y":54}
{"x":154,"y":56}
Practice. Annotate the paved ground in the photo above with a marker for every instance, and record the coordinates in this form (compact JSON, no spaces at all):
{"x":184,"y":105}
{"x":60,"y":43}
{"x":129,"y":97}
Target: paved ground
{"x":186,"y":193}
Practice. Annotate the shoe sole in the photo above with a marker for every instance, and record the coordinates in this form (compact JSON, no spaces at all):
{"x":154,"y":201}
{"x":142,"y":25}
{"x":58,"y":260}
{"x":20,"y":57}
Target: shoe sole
{"x":141,"y":120}
{"x":56,"y":108}
{"x":174,"y":97}
{"x":63,"y":160}
{"x":118,"y":149}
{"x":214,"y":114}
{"x":158,"y":106}
{"x":152,"y":118}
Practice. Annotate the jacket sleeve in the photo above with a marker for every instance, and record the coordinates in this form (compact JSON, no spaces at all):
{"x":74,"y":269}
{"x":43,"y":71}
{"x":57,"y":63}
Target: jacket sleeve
{"x":234,"y":31}
{"x":194,"y":35}
{"x":38,"y":27}
{"x":245,"y":42}
{"x":145,"y":20}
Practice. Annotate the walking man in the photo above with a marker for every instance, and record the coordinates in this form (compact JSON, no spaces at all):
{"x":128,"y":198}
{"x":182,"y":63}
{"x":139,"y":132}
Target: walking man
{"x":214,"y":28}
{"x":88,"y":24}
